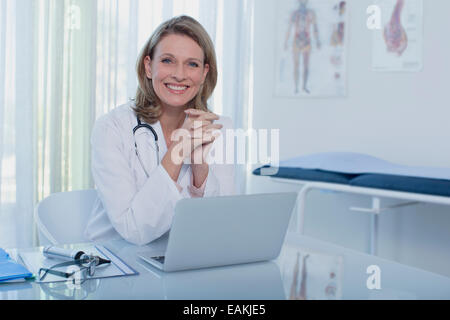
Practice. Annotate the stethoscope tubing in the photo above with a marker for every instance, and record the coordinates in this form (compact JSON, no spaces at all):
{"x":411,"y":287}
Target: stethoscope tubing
{"x":141,"y":125}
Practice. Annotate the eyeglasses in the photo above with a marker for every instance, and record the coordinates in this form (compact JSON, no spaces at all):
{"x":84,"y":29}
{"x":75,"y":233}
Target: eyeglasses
{"x":86,"y":268}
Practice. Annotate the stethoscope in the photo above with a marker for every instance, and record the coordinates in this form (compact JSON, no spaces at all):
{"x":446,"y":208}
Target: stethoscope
{"x":141,"y":125}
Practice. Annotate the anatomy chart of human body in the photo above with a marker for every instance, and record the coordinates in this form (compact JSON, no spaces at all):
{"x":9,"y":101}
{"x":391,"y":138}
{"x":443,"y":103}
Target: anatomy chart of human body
{"x":311,"y":48}
{"x":310,"y":275}
{"x":398,"y":45}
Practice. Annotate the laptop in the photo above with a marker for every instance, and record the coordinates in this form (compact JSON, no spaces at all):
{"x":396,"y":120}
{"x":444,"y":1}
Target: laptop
{"x":211,"y":232}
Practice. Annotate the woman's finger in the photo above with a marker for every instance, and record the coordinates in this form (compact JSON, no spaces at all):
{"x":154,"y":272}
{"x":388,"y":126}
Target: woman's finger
{"x":194,"y":111}
{"x":212,"y":127}
{"x":208,"y":116}
{"x":200,"y":124}
{"x":201,"y":115}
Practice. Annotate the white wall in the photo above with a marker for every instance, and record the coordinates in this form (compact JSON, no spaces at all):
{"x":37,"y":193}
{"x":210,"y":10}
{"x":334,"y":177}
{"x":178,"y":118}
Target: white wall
{"x":400,"y":117}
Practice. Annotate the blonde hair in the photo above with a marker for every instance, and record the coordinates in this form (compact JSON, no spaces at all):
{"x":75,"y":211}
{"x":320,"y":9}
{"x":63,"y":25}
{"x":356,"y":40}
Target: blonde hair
{"x":148,"y":105}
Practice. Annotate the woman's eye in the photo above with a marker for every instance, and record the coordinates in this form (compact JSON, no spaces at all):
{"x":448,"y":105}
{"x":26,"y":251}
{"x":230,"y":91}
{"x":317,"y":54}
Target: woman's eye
{"x":166,"y":60}
{"x":193,"y":64}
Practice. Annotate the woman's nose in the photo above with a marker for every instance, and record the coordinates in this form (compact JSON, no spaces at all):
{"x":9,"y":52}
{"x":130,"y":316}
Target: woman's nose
{"x":179,"y":74}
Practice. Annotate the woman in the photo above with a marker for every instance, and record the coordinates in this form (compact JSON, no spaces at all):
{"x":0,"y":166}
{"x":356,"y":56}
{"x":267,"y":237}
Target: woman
{"x":139,"y":180}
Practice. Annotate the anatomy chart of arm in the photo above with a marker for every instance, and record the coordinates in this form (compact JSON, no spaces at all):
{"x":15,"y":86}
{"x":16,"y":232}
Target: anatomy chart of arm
{"x":398,"y":45}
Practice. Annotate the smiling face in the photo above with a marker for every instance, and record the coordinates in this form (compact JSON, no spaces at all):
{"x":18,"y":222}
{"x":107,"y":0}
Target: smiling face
{"x":177,"y":70}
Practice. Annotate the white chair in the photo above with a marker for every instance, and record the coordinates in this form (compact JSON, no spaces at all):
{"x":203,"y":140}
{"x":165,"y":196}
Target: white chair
{"x":61,"y":218}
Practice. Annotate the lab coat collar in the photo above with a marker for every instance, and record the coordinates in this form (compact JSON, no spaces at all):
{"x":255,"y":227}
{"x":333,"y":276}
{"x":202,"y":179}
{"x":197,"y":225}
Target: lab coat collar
{"x":158,"y":129}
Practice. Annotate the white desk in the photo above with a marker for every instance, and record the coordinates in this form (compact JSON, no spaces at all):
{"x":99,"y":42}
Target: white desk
{"x":258,"y":281}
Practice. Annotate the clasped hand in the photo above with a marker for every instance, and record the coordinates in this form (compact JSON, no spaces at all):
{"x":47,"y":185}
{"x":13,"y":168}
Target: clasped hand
{"x":195,"y":138}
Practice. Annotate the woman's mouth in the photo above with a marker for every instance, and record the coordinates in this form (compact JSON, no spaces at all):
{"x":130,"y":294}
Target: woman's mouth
{"x":176,"y":89}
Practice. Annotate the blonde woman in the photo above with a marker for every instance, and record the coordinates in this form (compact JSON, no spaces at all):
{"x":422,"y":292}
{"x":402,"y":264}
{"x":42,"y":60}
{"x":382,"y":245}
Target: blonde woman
{"x":151,"y":152}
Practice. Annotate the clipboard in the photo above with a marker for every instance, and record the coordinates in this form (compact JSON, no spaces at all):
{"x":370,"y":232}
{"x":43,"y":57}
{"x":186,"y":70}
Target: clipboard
{"x":34,"y":260}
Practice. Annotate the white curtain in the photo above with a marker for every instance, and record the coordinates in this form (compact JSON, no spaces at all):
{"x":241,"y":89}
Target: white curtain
{"x":64,"y":63}
{"x":16,"y":123}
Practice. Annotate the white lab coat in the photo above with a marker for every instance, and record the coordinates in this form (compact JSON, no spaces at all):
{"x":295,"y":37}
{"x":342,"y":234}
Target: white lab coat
{"x":130,"y":205}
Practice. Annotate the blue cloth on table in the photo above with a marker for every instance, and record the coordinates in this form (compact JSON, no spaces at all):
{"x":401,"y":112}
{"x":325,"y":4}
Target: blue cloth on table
{"x":310,"y":175}
{"x":405,"y":184}
{"x":425,"y":181}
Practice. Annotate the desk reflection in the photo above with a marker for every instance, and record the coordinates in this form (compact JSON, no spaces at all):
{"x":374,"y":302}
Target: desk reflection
{"x":68,"y":291}
{"x":307,"y":268}
{"x":260,"y":281}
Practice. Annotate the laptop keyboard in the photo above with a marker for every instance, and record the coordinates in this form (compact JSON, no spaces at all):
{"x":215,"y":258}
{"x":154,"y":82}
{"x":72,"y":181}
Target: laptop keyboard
{"x":159,"y":259}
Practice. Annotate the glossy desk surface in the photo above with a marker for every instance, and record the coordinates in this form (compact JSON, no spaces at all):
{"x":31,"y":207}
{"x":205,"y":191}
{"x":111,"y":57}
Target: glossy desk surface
{"x":307,"y":268}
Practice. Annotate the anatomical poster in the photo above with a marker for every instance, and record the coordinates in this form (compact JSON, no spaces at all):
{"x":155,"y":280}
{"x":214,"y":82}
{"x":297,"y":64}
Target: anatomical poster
{"x":311,"y":48}
{"x":310,"y":275}
{"x":398,"y":44}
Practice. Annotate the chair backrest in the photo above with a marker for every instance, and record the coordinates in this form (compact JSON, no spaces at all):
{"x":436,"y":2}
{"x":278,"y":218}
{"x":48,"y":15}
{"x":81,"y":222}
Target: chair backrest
{"x":61,"y":218}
